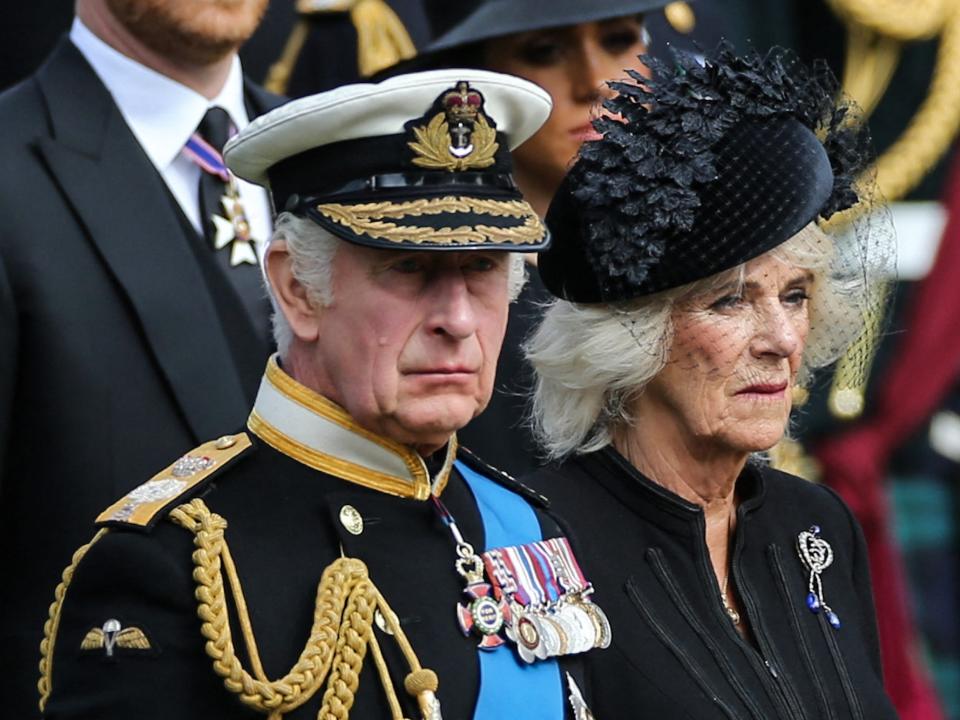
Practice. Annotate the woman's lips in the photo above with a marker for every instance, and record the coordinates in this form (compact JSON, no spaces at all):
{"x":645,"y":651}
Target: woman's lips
{"x":764,"y":389}
{"x":585,"y":132}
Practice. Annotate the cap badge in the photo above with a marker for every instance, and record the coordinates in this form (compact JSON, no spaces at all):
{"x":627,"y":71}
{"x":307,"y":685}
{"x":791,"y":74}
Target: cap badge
{"x":459,"y":136}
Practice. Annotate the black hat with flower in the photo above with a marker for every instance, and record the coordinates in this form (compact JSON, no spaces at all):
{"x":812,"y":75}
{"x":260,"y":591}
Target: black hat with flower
{"x":708,"y":163}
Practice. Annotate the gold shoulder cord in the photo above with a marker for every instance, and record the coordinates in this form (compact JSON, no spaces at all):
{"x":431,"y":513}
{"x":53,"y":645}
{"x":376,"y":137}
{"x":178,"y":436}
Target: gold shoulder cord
{"x":52,"y":625}
{"x":382,"y":40}
{"x":876,"y":31}
{"x":342,"y":632}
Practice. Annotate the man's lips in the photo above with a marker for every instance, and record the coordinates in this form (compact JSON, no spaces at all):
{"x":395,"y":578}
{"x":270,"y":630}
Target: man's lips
{"x":444,"y":370}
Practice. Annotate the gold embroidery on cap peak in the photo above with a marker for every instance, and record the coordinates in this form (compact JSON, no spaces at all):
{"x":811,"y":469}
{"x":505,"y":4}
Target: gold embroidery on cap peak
{"x":370,"y":219}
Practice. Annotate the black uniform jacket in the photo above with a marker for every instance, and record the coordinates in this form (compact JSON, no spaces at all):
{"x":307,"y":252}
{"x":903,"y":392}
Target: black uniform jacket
{"x":286,"y":522}
{"x":115,"y":350}
{"x":675,"y":653}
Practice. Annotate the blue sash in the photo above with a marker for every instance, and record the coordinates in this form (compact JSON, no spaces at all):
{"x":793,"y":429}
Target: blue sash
{"x":509,"y":687}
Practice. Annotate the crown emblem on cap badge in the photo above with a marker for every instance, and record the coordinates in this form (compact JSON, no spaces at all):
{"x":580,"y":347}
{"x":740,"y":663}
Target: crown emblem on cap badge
{"x":459,"y":137}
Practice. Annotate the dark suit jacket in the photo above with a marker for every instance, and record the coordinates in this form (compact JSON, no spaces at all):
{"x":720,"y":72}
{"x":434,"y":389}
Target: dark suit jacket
{"x":113,"y":355}
{"x":675,"y":653}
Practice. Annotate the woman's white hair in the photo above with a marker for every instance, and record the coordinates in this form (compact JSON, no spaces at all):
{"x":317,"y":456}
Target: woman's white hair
{"x":312,"y":249}
{"x":592,"y":361}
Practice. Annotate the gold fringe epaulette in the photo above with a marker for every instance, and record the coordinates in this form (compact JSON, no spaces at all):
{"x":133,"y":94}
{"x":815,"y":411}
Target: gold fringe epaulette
{"x":144,"y":504}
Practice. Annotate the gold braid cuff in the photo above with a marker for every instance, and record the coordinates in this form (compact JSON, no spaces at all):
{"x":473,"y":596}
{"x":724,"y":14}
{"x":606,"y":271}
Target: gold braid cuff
{"x":50,"y":628}
{"x":342,"y":631}
{"x":371,"y":219}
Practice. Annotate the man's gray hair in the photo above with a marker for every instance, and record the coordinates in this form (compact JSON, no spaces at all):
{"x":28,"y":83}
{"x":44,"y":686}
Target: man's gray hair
{"x":312,"y":249}
{"x":593,"y":361}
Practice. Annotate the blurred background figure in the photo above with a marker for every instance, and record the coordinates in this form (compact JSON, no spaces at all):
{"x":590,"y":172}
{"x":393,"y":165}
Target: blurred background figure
{"x":133,"y":320}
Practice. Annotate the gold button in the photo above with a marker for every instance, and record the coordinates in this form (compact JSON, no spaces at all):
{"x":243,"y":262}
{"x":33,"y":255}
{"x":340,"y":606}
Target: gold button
{"x":351,"y":520}
{"x":227,"y":441}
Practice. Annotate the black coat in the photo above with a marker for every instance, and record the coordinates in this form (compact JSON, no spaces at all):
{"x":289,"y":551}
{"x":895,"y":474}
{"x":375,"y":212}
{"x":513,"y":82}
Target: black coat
{"x":675,"y":652}
{"x":114,"y":354}
{"x":284,"y":527}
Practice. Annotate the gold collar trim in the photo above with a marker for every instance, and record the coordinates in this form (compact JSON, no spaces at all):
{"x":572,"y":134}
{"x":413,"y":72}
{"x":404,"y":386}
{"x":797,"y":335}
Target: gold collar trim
{"x":304,"y":425}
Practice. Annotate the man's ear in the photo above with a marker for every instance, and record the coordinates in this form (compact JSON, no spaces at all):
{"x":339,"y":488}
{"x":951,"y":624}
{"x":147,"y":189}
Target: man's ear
{"x":290,"y":295}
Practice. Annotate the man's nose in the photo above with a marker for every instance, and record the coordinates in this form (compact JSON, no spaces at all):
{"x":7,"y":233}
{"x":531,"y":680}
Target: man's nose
{"x":452,"y":309}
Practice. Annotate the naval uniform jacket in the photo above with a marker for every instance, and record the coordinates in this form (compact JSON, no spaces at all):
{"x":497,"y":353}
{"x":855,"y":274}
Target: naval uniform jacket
{"x":118,"y":347}
{"x":288,"y":508}
{"x":675,"y":653}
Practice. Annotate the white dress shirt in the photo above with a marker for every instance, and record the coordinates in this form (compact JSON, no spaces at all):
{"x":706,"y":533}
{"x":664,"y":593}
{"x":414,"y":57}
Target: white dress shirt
{"x":163,"y":114}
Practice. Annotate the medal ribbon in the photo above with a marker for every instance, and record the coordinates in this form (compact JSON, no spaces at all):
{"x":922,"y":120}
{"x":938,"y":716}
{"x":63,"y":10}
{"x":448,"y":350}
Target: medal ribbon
{"x":537,"y":573}
{"x":206,"y":157}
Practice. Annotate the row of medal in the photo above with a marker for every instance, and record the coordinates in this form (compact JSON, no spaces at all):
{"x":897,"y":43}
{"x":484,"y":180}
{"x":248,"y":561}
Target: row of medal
{"x":538,"y":596}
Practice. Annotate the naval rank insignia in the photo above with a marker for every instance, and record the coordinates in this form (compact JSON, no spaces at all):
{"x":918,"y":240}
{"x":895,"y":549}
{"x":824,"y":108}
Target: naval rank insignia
{"x":459,"y":136}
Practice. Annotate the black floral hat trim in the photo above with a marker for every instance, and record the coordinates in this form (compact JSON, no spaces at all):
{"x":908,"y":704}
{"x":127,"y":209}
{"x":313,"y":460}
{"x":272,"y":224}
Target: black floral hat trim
{"x":641,"y":183}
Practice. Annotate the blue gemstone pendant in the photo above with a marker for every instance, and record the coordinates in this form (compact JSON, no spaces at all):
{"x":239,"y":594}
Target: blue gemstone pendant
{"x":816,"y":556}
{"x":833,"y":619}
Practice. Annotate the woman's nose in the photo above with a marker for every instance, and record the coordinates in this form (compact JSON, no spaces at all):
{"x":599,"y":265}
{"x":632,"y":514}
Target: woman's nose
{"x":590,"y":70}
{"x":776,"y":333}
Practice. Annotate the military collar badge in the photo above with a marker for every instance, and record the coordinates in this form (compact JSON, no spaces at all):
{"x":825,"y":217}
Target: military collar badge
{"x":459,"y":135}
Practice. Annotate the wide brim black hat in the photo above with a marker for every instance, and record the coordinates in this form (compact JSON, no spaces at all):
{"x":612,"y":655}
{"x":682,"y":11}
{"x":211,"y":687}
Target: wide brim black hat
{"x":417,"y":162}
{"x":703,"y":167}
{"x":496,"y":18}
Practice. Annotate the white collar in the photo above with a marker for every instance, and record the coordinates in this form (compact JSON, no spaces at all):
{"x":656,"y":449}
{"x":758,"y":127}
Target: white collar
{"x":161,"y":113}
{"x":306,"y":426}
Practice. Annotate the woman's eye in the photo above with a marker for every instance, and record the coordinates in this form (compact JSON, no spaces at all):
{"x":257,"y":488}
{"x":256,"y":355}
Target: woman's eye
{"x":796,"y":297}
{"x":727,"y":301}
{"x":617,"y":42}
{"x":541,"y":52}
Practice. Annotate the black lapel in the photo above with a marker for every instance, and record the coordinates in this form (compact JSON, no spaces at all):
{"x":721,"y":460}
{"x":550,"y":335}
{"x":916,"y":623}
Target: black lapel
{"x":258,"y":100}
{"x":121,"y":200}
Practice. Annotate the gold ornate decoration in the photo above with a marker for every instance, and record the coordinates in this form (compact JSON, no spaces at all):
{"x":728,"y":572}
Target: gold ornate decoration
{"x":382,"y":40}
{"x":681,"y":17}
{"x":141,"y":505}
{"x":112,"y":635}
{"x":342,"y":631}
{"x":877,"y":30}
{"x":372,"y":219}
{"x":52,"y":625}
{"x":458,"y":137}
{"x":432,"y":146}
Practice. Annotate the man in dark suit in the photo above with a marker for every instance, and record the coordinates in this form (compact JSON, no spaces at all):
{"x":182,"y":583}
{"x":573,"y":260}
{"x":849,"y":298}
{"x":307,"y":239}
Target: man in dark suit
{"x":125,"y":333}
